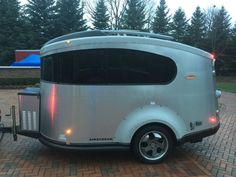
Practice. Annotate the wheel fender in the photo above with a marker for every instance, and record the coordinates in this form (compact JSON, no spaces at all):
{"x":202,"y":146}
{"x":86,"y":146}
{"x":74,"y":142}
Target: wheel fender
{"x":146,"y":115}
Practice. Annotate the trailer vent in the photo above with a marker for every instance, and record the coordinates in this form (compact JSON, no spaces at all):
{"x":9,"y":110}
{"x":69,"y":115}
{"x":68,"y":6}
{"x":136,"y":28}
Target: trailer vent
{"x":29,"y":121}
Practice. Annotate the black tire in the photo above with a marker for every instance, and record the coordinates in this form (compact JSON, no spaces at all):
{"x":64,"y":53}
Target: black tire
{"x":152,"y":144}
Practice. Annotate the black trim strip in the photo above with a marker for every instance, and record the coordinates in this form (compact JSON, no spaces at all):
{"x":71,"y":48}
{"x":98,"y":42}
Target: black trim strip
{"x":30,"y":94}
{"x":6,"y":129}
{"x":197,"y":136}
{"x":107,"y":84}
{"x":31,"y":134}
{"x":78,"y":146}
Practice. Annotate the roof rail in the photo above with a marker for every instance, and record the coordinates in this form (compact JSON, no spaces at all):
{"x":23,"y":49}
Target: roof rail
{"x":137,"y":33}
{"x":108,"y":33}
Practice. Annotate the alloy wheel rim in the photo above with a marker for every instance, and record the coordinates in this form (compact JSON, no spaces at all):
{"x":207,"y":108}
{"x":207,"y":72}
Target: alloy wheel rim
{"x":153,"y":145}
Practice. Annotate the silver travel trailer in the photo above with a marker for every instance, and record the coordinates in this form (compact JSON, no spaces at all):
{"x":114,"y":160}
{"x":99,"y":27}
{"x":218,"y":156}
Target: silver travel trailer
{"x":111,"y":89}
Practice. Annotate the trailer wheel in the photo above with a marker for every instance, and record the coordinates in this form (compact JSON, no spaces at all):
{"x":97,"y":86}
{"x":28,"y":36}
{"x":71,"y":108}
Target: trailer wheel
{"x":152,"y":144}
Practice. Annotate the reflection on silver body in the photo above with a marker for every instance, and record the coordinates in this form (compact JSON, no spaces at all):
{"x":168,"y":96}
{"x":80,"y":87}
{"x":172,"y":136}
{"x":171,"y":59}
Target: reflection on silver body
{"x":97,"y":114}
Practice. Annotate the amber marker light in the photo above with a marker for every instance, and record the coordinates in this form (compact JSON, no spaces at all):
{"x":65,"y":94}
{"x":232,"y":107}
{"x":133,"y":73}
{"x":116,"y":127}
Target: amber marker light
{"x":190,"y":77}
{"x":68,"y":132}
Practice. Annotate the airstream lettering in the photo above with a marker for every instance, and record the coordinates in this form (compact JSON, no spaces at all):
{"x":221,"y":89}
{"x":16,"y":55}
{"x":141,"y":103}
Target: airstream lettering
{"x":110,"y":89}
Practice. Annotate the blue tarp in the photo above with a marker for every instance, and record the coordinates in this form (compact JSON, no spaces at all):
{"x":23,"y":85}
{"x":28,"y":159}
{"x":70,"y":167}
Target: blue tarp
{"x":31,"y":60}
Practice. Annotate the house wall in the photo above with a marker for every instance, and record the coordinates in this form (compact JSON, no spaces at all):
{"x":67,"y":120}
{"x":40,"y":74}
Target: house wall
{"x":21,"y":54}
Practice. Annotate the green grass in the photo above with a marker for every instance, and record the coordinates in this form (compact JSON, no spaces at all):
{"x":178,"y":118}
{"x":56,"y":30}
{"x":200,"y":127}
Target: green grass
{"x":226,"y":83}
{"x":227,"y":86}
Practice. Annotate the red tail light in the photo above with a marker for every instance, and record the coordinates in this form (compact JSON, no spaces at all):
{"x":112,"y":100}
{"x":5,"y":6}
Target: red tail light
{"x":213,"y":56}
{"x":212,"y":120}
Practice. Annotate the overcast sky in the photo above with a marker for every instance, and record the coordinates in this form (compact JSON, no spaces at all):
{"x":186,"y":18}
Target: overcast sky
{"x":189,"y":6}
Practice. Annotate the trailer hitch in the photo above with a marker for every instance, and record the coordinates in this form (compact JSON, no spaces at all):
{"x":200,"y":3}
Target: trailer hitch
{"x":12,"y":129}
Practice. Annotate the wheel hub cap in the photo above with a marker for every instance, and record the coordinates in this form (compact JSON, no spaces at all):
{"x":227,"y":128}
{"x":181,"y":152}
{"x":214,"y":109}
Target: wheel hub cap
{"x":153,"y":145}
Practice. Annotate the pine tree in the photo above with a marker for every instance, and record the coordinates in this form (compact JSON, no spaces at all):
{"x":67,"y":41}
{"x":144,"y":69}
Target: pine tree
{"x":9,"y":30}
{"x":232,"y":51}
{"x":41,"y":14}
{"x":70,"y":16}
{"x":134,"y":15}
{"x":233,"y":34}
{"x":26,"y":35}
{"x":100,"y":18}
{"x":162,"y":19}
{"x":219,"y":37}
{"x":179,"y":25}
{"x":229,"y":57}
{"x":197,"y":29}
{"x":220,"y":30}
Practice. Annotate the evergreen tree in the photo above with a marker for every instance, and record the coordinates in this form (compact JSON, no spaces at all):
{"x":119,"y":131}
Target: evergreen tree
{"x":162,"y":19}
{"x":220,"y":30}
{"x":41,"y":15}
{"x":219,"y":37}
{"x":232,"y":51}
{"x":70,"y":16}
{"x":26,"y":36}
{"x":197,"y":29}
{"x":228,"y":59}
{"x":100,"y":17}
{"x":9,"y":30}
{"x":233,"y":33}
{"x":210,"y":15}
{"x":134,"y":15}
{"x":179,"y":25}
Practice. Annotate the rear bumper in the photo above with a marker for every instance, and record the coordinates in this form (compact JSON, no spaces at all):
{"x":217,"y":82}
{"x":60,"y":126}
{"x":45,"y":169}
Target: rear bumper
{"x":197,"y":136}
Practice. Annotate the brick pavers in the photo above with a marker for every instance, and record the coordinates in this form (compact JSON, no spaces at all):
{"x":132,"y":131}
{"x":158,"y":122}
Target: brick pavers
{"x":215,"y":156}
{"x":28,"y":157}
{"x":218,"y":153}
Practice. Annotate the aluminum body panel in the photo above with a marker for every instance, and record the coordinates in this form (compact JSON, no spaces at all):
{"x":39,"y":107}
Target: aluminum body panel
{"x":146,"y":115}
{"x":103,"y":113}
{"x":29,"y":101}
{"x":95,"y":112}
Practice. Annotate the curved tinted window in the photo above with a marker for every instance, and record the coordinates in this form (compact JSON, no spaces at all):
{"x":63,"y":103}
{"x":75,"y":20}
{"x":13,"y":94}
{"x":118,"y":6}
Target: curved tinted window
{"x":108,"y":66}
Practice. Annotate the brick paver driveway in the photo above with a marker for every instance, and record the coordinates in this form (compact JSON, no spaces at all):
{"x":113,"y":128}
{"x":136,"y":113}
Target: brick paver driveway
{"x":218,"y":152}
{"x":215,"y":156}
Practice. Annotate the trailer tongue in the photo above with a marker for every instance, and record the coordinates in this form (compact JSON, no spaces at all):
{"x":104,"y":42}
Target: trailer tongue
{"x":12,"y":129}
{"x":29,"y":99}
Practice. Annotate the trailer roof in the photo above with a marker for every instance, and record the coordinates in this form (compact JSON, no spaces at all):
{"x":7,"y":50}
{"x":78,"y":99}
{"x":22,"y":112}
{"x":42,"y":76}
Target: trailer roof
{"x":96,"y":38}
{"x":108,"y":33}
